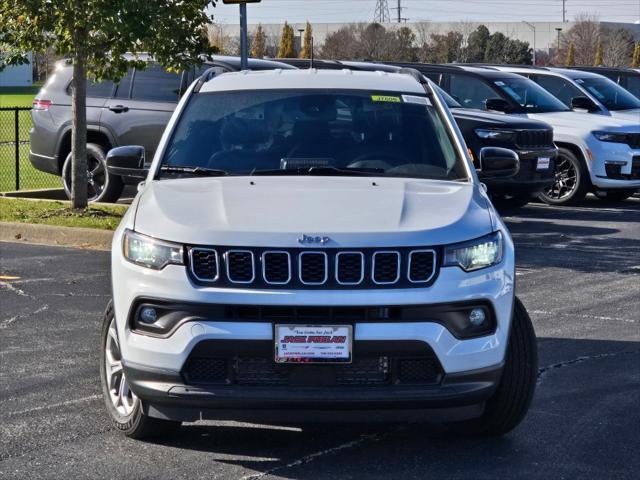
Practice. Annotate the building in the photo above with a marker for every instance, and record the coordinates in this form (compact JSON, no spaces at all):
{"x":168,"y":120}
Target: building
{"x":18,"y":75}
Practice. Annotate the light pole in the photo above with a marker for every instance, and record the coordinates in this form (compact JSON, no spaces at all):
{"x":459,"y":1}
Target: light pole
{"x":300,"y":31}
{"x":244,"y":43}
{"x":534,"y":39}
{"x":558,"y":29}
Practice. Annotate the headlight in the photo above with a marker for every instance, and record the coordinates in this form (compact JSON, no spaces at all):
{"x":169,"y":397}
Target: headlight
{"x":475,"y":254}
{"x":611,"y":137}
{"x":502,"y":135}
{"x":150,"y":252}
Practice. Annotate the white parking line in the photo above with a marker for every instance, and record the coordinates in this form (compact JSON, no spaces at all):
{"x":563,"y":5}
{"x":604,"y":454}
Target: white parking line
{"x":55,"y":405}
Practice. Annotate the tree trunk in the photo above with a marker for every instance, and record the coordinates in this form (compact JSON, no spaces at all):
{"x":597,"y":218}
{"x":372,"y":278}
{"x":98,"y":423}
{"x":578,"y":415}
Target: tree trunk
{"x":79,"y":132}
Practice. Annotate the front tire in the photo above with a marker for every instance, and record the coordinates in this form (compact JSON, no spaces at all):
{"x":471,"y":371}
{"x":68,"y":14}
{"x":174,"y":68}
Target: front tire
{"x":571,"y":182}
{"x":124,"y":407}
{"x":509,"y":404}
{"x":614,"y":195}
{"x":101,"y":185}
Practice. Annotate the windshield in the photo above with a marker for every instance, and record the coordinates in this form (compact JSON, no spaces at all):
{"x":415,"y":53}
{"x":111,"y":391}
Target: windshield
{"x":448,"y":99}
{"x":311,"y":132}
{"x":609,"y":93}
{"x":530,"y":97}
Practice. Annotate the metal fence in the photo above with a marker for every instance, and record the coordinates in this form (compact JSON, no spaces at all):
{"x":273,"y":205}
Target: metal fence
{"x":16,"y":171}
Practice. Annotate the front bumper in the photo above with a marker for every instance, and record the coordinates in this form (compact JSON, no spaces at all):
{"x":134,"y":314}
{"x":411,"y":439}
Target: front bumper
{"x":529,"y":179}
{"x":614,"y":165}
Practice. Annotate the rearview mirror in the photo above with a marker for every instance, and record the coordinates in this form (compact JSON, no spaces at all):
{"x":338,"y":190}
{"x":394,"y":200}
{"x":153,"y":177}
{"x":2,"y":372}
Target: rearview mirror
{"x":583,"y":103}
{"x":498,"y":162}
{"x":497,"y":104}
{"x":127,"y":161}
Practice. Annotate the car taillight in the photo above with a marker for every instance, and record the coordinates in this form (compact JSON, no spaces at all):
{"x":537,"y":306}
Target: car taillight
{"x":41,"y":104}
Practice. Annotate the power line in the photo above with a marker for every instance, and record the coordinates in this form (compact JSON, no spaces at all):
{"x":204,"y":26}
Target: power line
{"x":381,"y":14}
{"x":399,"y":8}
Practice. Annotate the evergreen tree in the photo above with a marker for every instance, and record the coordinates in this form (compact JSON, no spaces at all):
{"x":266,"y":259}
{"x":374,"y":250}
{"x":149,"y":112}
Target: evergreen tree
{"x":635,"y":63}
{"x":286,"y":48}
{"x":308,"y":42}
{"x":258,"y":49}
{"x":571,"y":55}
{"x":598,"y":60}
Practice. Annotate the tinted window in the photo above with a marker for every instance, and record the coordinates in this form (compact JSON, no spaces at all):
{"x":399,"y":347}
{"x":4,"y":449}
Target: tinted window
{"x":99,"y":89}
{"x":156,"y":84}
{"x":560,"y":88}
{"x":124,"y":86}
{"x":470,"y":92}
{"x":633,"y":85}
{"x":530,"y":97}
{"x":610,"y":94}
{"x":386,"y":134}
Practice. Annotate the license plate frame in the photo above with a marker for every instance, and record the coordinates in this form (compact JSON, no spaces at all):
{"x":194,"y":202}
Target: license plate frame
{"x":543,"y":163}
{"x":318,"y":351}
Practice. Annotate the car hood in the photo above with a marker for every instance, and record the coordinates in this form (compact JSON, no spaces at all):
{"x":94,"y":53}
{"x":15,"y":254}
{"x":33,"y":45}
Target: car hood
{"x":276,"y":211}
{"x":563,"y":122}
{"x":631,"y":115}
{"x":497,"y":119}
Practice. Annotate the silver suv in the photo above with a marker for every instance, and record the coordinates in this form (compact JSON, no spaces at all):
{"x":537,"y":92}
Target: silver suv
{"x":134,"y":111}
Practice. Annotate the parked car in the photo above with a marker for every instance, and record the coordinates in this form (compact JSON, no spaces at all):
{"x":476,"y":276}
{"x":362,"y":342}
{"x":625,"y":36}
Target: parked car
{"x":329,"y":254}
{"x":136,"y":110}
{"x":627,"y":78}
{"x":584,"y":91}
{"x":597,"y":153}
{"x":532,"y":140}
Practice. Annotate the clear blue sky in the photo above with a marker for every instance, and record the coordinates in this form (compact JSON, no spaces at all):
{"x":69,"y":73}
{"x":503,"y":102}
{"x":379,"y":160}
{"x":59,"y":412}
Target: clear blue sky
{"x":321,"y":11}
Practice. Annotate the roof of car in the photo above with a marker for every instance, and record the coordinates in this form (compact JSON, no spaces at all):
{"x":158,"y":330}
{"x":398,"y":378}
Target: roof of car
{"x":486,"y":71}
{"x":312,"y":79}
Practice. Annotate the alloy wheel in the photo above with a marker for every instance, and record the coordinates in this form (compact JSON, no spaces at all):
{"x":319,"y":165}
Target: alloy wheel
{"x":96,"y":177}
{"x":565,"y":182}
{"x":121,"y":396}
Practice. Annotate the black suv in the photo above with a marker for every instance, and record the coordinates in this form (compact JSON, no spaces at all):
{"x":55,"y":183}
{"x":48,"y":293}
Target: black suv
{"x":531,"y":139}
{"x":133,"y":112}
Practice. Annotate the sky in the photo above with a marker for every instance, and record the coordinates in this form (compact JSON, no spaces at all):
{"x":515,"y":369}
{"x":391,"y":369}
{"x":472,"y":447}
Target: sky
{"x":327,"y":11}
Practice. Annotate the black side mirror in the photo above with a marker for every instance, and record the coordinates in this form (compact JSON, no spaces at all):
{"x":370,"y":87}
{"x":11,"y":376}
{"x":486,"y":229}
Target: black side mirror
{"x":497,"y":105}
{"x":498,"y":162}
{"x":127,"y":161}
{"x":583,"y":103}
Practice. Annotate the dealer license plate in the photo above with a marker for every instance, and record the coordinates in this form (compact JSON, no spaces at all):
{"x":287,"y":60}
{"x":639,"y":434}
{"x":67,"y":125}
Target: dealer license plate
{"x":543,"y":163}
{"x":313,"y":343}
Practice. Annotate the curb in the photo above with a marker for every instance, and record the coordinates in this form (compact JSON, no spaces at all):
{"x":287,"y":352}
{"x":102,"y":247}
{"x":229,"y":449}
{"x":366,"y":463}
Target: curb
{"x":40,"y":234}
{"x":40,"y":194}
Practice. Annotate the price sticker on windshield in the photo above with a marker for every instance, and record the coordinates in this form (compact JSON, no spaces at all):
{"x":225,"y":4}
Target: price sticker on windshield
{"x":386,"y":98}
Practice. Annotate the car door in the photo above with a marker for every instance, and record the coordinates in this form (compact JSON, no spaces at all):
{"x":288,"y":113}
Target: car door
{"x":141,"y":108}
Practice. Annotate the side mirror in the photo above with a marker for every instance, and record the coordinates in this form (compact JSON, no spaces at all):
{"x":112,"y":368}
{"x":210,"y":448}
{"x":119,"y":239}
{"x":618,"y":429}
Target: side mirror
{"x":497,"y":105}
{"x":583,"y":103}
{"x":127,"y":162}
{"x":498,"y":162}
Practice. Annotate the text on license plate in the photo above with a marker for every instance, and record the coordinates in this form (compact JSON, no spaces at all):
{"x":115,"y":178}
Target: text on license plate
{"x":313,"y":343}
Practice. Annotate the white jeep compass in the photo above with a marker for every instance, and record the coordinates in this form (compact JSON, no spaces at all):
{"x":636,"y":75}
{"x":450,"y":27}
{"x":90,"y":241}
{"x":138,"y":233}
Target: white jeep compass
{"x":314,"y":246}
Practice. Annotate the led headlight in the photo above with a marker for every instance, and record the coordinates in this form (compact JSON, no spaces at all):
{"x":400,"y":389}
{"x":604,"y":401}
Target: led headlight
{"x":475,"y":254}
{"x":502,"y":135}
{"x":614,"y":137}
{"x":150,"y":252}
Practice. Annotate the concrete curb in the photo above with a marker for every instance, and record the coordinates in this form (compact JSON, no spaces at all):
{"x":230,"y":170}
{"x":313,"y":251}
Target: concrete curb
{"x":91,"y":238}
{"x":40,"y":194}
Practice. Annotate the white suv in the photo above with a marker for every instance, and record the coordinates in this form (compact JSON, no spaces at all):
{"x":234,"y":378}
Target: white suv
{"x":314,"y":245}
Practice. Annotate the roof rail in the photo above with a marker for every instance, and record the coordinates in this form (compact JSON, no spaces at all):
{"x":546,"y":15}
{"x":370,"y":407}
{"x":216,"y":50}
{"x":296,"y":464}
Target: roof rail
{"x":415,"y":74}
{"x":208,"y":74}
{"x":510,"y":65}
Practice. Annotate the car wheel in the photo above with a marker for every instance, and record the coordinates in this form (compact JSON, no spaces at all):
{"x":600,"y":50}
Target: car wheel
{"x":571,"y":182}
{"x":614,"y":195}
{"x":510,"y":202}
{"x":124,"y":407}
{"x":509,"y":404}
{"x":101,"y":186}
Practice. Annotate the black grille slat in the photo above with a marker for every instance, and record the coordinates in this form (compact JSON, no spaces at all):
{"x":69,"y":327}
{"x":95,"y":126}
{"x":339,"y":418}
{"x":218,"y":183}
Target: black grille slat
{"x":418,"y":370}
{"x":240,"y":268}
{"x":350,"y":268}
{"x":313,"y":268}
{"x":277,"y":267}
{"x":206,"y":370}
{"x":421,"y":266}
{"x":204,"y":264}
{"x":386,"y":267}
{"x":534,"y":138}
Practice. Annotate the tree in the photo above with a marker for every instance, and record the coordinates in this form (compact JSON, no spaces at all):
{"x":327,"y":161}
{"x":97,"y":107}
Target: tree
{"x":598,"y":61}
{"x":341,"y":44}
{"x":403,"y":46}
{"x":374,"y":42}
{"x":307,"y":46}
{"x":258,"y":49}
{"x":635,"y":62}
{"x":501,"y":49}
{"x":443,"y":48}
{"x":571,"y":56}
{"x":617,"y":47}
{"x":477,"y":44}
{"x":585,"y":36}
{"x":286,"y":48}
{"x":83,"y":31}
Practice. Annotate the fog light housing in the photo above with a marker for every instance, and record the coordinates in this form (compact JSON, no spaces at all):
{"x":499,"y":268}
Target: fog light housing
{"x":477,"y":316}
{"x":148,"y":315}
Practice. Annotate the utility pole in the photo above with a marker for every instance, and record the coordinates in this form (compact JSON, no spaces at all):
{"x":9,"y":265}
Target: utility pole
{"x":564,"y":11}
{"x":381,"y":14}
{"x":399,"y":8}
{"x":244,"y":42}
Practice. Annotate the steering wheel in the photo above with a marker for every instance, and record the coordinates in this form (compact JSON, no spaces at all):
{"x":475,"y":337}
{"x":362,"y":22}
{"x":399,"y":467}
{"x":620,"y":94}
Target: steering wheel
{"x":382,"y":158}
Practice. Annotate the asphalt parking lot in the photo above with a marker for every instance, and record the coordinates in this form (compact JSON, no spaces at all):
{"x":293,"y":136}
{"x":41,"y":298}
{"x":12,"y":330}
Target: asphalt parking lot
{"x":578,"y":275}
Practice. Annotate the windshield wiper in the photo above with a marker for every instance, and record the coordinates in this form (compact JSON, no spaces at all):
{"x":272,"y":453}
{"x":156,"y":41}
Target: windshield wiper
{"x":322,"y":171}
{"x":201,"y":171}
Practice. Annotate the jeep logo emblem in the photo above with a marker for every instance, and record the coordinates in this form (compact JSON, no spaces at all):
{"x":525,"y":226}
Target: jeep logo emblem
{"x":310,"y":240}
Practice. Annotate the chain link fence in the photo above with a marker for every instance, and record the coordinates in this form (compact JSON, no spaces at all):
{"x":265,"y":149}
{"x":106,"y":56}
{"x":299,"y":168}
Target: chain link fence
{"x":16,"y":172}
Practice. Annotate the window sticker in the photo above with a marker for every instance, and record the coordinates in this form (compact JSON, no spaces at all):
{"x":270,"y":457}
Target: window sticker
{"x":385,"y":98}
{"x":416,"y":99}
{"x":580,"y":81}
{"x":500,"y":84}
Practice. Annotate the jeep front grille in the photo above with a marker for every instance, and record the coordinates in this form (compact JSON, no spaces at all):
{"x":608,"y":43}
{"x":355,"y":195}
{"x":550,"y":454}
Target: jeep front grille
{"x":534,"y":139}
{"x":300,"y":268}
